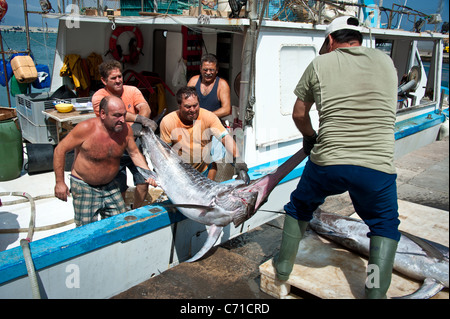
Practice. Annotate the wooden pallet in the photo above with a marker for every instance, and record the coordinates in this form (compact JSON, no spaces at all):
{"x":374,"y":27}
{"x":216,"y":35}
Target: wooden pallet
{"x":326,"y":270}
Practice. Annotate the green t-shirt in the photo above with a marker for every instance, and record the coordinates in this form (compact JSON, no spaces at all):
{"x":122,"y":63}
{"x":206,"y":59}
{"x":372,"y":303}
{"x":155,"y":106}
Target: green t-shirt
{"x":355,"y":91}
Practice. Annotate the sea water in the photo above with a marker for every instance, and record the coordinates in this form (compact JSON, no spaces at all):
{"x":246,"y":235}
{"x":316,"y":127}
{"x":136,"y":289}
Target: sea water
{"x":42,"y":46}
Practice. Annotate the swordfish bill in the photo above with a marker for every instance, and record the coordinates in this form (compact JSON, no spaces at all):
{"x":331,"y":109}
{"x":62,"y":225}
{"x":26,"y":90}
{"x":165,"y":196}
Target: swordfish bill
{"x":204,"y":200}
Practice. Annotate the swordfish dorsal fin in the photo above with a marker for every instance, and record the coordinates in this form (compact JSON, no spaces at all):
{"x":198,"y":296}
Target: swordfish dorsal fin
{"x":427,"y":246}
{"x":214,"y":232}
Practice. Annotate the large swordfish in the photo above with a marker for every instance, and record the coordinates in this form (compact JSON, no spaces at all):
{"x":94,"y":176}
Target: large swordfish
{"x":206,"y":201}
{"x":416,"y":257}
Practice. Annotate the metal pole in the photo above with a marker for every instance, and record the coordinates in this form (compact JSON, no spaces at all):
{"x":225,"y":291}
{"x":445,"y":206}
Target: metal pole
{"x":401,"y":16}
{"x":100,"y":7}
{"x":58,"y":4}
{"x":4,"y":70}
{"x":27,"y":28}
{"x":380,"y":4}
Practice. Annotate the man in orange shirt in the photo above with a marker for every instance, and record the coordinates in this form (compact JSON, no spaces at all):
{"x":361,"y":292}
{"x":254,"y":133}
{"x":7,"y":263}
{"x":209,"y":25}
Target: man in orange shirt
{"x":138,"y":113}
{"x":189,"y":132}
{"x":213,"y":95}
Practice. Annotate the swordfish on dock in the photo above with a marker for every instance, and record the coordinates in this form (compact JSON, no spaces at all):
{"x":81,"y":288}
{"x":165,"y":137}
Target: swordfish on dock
{"x":204,"y":200}
{"x":416,"y":258}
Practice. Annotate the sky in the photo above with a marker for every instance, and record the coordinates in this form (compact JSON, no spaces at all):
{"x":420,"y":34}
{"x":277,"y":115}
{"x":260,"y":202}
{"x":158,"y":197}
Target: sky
{"x":15,"y":15}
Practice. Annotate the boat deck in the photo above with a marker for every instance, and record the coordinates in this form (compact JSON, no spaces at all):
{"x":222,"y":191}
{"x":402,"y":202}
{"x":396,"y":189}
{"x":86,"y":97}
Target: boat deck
{"x":231,"y":271}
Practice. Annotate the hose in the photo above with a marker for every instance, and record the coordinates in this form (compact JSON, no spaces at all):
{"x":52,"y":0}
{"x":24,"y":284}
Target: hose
{"x":25,"y":244}
{"x":30,"y":268}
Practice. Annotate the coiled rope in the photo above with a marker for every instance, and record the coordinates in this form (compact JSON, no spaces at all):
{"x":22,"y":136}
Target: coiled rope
{"x":25,"y":243}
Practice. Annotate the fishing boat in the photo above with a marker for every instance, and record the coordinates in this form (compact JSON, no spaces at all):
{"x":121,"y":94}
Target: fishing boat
{"x":262,"y":55}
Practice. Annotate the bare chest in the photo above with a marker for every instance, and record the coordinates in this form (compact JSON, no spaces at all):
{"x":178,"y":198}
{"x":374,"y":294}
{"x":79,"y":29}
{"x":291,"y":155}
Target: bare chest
{"x":99,"y":149}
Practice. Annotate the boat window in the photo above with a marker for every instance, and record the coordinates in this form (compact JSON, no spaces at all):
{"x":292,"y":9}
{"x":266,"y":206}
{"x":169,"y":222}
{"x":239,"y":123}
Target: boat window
{"x":293,"y":62}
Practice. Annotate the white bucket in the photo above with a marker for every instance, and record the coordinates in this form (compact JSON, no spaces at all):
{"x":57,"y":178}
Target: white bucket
{"x":223,"y":5}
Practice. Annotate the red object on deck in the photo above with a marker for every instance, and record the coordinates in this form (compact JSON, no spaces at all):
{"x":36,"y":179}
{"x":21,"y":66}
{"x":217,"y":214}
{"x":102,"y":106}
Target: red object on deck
{"x":3,"y":9}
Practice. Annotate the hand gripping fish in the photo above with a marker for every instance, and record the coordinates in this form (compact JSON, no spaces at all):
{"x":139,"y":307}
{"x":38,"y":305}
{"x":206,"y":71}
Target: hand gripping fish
{"x":204,"y":200}
{"x":415,"y":258}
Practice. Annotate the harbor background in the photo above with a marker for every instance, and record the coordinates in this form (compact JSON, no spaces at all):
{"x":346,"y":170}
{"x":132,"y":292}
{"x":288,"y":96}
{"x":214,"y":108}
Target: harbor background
{"x":43,"y":46}
{"x":44,"y":27}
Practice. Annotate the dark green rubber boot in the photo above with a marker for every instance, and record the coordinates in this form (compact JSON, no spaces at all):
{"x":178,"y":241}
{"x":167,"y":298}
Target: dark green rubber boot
{"x":293,"y":231}
{"x":381,"y":263}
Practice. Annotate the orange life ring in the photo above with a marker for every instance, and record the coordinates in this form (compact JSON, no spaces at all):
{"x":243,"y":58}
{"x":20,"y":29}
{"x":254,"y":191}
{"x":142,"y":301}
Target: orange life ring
{"x":3,"y":8}
{"x":133,"y":56}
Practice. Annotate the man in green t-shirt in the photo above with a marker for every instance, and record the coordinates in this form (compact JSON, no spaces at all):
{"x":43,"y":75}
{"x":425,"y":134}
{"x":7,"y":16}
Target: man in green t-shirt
{"x":355,"y":92}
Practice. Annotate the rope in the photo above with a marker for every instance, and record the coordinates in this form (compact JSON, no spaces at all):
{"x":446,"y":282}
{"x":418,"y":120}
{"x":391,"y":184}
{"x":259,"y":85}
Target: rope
{"x":25,"y":244}
{"x":32,"y":228}
{"x":39,"y":228}
{"x":33,"y":211}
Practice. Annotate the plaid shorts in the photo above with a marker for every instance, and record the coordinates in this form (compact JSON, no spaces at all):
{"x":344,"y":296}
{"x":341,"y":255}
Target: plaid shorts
{"x":90,"y":201}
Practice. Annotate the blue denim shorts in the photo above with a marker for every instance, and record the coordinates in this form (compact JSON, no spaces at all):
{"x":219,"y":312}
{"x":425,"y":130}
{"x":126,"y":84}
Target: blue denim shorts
{"x":373,"y":194}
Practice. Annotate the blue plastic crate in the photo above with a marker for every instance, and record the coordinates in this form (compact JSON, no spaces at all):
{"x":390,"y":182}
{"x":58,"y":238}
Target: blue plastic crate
{"x":172,"y":7}
{"x":133,"y":7}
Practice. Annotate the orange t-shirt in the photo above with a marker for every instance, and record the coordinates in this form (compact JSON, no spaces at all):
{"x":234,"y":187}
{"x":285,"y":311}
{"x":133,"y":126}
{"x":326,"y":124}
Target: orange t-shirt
{"x":131,"y":96}
{"x":192,"y":142}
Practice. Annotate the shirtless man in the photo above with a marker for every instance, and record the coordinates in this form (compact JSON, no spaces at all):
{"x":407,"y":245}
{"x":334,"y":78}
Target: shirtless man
{"x":99,"y":144}
{"x":138,"y":113}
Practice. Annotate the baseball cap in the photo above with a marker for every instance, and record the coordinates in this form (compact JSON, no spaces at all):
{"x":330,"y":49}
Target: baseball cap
{"x":340,"y":23}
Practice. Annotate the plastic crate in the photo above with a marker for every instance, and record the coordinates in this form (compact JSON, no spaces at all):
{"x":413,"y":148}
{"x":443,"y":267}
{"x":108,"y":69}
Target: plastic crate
{"x":133,"y":7}
{"x":35,"y":127}
{"x":172,"y":7}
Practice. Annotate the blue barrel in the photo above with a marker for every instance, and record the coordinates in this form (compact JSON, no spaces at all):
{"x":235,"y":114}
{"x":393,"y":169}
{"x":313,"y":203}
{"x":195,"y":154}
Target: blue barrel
{"x":4,"y":78}
{"x":11,"y":151}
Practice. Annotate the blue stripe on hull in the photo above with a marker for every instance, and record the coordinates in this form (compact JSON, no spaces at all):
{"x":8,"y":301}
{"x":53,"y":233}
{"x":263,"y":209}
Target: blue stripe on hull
{"x":414,"y":125}
{"x":54,"y":249}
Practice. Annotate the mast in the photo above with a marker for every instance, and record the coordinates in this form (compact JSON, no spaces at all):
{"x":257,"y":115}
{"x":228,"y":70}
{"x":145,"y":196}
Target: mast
{"x":401,"y":16}
{"x":27,"y":28}
{"x":4,"y":70}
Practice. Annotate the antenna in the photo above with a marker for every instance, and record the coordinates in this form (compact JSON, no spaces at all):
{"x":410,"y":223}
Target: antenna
{"x":401,"y":16}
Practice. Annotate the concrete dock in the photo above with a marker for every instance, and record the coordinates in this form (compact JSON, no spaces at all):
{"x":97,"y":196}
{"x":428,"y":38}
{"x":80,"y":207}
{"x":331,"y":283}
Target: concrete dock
{"x":231,"y":270}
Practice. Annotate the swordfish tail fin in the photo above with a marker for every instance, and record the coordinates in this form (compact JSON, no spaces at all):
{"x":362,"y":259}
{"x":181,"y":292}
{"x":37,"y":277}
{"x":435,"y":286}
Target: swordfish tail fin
{"x":429,"y":288}
{"x":213,"y":234}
